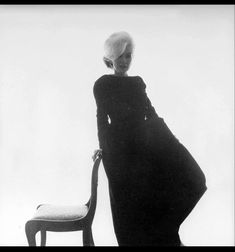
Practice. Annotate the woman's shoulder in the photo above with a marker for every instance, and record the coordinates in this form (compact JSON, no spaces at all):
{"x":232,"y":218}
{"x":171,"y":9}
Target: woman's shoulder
{"x":140,"y":81}
{"x":101,"y":82}
{"x":102,"y":79}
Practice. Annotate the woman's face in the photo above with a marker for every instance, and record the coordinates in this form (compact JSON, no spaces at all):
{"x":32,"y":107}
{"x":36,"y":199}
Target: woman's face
{"x":122,"y":63}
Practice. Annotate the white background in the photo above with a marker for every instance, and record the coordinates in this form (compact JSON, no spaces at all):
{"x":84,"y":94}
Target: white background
{"x":50,"y":57}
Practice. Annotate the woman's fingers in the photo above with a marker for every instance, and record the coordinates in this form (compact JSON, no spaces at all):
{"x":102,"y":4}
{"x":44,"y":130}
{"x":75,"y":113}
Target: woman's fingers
{"x":96,"y":153}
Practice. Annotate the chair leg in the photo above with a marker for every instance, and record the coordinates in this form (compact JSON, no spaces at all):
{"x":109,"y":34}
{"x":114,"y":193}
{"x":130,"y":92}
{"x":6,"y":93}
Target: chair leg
{"x":91,"y":239}
{"x":43,"y":238}
{"x":88,"y":237}
{"x":31,"y":230}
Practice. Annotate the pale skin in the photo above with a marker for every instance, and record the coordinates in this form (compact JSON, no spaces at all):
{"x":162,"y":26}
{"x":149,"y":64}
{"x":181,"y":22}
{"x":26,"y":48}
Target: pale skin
{"x":120,"y":67}
{"x":122,"y":63}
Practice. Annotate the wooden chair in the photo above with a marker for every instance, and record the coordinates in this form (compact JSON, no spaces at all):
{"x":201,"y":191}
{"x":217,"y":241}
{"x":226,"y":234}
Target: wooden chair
{"x":66,"y":218}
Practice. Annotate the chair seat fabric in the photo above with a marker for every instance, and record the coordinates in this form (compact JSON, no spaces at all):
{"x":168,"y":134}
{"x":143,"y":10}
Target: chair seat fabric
{"x":60,"y":213}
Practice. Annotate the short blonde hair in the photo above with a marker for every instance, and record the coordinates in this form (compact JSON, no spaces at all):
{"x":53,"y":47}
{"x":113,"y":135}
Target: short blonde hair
{"x":115,"y":45}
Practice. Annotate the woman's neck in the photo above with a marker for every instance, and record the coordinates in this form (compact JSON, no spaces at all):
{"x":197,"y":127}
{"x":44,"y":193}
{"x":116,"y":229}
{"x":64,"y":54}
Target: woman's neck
{"x":120,"y":74}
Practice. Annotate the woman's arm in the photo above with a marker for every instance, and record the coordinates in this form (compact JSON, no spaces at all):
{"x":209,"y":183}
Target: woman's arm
{"x":149,"y":109}
{"x":101,"y":114}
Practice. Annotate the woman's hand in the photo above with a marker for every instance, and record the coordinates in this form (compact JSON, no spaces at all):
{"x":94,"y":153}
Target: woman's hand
{"x":96,"y":154}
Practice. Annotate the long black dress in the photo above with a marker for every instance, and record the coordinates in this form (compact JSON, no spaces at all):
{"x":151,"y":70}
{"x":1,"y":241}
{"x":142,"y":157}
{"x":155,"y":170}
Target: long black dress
{"x":154,"y":182}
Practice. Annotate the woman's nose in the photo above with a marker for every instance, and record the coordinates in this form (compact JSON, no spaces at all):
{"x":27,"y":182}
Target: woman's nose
{"x":126,"y":60}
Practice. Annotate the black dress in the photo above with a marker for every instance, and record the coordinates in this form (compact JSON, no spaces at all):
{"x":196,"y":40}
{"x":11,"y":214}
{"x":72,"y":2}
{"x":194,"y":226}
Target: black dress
{"x":154,"y":182}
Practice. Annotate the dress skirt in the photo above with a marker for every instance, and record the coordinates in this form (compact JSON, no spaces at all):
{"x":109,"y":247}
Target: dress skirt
{"x":154,"y":183}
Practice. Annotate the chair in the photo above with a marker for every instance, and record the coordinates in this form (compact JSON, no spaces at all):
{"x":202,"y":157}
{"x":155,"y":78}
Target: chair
{"x":56,"y":218}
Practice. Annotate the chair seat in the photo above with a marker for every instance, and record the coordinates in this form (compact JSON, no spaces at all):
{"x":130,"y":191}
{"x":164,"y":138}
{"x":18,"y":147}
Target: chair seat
{"x":60,"y":213}
{"x":65,"y":218}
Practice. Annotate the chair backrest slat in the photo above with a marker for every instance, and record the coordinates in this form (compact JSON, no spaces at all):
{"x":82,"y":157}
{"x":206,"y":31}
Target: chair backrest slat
{"x":94,"y":184}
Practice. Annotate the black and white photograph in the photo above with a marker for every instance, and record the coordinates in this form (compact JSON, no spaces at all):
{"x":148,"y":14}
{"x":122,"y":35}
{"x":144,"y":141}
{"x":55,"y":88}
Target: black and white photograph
{"x":117,"y":125}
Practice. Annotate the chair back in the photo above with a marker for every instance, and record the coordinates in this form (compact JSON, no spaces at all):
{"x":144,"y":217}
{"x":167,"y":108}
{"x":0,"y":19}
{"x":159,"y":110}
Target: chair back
{"x":94,"y":183}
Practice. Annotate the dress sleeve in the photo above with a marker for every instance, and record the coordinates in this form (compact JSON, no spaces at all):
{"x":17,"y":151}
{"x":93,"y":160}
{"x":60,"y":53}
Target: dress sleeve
{"x":101,"y":114}
{"x":149,"y":109}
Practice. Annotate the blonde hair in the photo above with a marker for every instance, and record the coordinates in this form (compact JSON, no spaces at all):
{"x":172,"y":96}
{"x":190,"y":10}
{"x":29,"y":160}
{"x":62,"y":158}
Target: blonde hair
{"x":115,"y":45}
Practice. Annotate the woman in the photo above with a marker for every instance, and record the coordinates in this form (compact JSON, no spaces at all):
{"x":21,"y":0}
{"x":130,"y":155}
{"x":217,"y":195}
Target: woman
{"x":154,"y":182}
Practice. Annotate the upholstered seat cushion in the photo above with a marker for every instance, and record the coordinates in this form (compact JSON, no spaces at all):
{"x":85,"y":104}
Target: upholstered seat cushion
{"x":60,"y":213}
